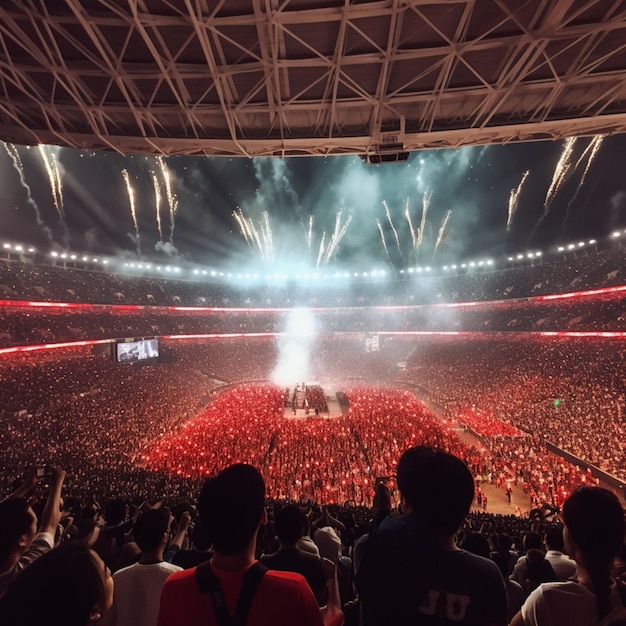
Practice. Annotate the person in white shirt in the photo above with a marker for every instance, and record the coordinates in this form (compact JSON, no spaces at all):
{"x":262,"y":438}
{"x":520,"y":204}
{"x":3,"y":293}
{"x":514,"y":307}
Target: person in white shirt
{"x":138,"y":587}
{"x":564,"y":567}
{"x":593,"y":533}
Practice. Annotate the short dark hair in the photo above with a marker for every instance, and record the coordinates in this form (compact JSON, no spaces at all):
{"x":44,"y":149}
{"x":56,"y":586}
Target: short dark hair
{"x":150,"y":528}
{"x":438,"y":486}
{"x":230,"y":507}
{"x":290,"y":524}
{"x":554,"y":538}
{"x":16,"y":519}
{"x":60,"y":587}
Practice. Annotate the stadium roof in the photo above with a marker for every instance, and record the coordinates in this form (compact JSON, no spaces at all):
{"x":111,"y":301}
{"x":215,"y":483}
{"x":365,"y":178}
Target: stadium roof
{"x":312,"y":77}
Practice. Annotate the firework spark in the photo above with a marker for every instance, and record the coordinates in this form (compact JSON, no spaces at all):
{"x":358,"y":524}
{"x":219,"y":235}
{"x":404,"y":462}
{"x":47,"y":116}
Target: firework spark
{"x":54,"y":175}
{"x":337,"y":236}
{"x":382,"y":237}
{"x":560,"y":175}
{"x":425,"y":204}
{"x":172,"y":199}
{"x":322,"y":248}
{"x":590,"y":151}
{"x":407,"y":214}
{"x":594,"y":145}
{"x":17,"y":162}
{"x":514,"y":199}
{"x":444,"y":223}
{"x":131,"y":200}
{"x":393,"y":228}
{"x":157,"y":203}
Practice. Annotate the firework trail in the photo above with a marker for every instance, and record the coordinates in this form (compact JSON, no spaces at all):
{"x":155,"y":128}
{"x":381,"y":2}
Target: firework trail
{"x":17,"y":162}
{"x":309,"y":235}
{"x":320,"y":254}
{"x":393,"y":228}
{"x":338,"y":234}
{"x":592,"y":150}
{"x":56,"y":184}
{"x":425,"y":203}
{"x":172,"y":200}
{"x":131,"y":200}
{"x":243,"y":226}
{"x":560,"y":173}
{"x":407,"y":214}
{"x":595,"y":145}
{"x":514,"y":199}
{"x":268,"y":242}
{"x":157,"y":203}
{"x":382,"y":237}
{"x":444,"y":223}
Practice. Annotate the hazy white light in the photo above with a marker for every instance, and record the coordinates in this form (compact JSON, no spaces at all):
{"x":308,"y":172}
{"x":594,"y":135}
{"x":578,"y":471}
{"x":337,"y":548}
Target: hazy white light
{"x":19,"y":248}
{"x":54,"y":254}
{"x":561,"y":249}
{"x":6,"y":246}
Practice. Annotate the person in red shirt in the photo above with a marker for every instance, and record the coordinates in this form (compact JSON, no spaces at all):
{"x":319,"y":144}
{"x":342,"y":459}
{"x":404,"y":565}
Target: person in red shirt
{"x":233,"y":588}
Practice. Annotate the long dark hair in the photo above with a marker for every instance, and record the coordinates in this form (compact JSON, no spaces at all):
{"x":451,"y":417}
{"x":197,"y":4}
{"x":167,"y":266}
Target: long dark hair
{"x":61,"y":587}
{"x":595,"y":520}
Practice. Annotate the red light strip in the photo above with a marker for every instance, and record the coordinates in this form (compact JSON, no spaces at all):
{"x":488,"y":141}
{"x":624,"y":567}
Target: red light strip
{"x":51,"y":346}
{"x":405,"y":307}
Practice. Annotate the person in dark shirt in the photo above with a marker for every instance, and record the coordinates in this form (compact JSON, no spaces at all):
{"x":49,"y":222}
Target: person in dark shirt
{"x":412,"y":570}
{"x":290,"y":526}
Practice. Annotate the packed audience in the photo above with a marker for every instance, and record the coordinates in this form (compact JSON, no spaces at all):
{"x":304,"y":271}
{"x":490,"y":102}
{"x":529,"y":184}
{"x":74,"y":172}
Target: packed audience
{"x":21,"y":279}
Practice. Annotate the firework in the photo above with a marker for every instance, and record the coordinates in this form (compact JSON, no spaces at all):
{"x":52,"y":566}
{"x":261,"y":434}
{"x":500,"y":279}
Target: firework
{"x":17,"y":162}
{"x":52,"y":168}
{"x":338,"y":234}
{"x":407,"y":214}
{"x":157,"y":203}
{"x":172,"y":200}
{"x":382,"y":237}
{"x":591,"y":151}
{"x":444,"y":223}
{"x":393,"y":228}
{"x":563,"y":166}
{"x":425,"y":203}
{"x":131,"y":200}
{"x":320,"y":254}
{"x":514,"y":199}
{"x":594,"y":147}
{"x":243,"y":225}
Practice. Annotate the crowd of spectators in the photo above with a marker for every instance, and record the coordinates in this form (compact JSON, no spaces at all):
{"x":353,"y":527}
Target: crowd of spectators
{"x":567,"y":392}
{"x":24,"y":325}
{"x":21,"y":279}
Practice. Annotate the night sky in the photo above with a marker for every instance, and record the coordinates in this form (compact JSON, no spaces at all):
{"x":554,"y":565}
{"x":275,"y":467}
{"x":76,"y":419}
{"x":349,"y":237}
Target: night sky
{"x":88,"y":208}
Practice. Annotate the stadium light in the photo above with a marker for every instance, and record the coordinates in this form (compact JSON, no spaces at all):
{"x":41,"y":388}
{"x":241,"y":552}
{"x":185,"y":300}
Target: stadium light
{"x":54,"y":254}
{"x":561,"y":249}
{"x":6,"y":246}
{"x":85,"y":258}
{"x":31,"y":249}
{"x":571,"y":246}
{"x":18,"y":248}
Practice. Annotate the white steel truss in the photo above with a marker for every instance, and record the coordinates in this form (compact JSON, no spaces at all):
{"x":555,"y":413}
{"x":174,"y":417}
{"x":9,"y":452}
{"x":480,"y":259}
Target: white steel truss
{"x":308,"y":77}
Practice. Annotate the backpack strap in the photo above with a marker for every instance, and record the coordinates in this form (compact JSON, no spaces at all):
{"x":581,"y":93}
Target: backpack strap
{"x":209,"y":583}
